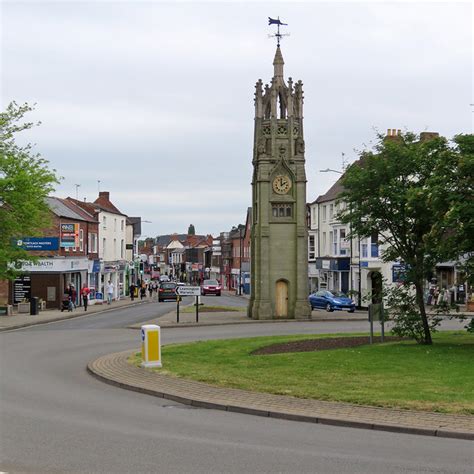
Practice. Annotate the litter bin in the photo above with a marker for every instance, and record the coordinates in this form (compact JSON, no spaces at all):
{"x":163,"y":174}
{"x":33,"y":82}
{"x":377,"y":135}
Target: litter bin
{"x":34,"y":306}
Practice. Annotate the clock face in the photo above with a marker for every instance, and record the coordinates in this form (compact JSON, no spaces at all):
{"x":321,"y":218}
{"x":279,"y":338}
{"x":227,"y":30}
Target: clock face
{"x":281,"y":184}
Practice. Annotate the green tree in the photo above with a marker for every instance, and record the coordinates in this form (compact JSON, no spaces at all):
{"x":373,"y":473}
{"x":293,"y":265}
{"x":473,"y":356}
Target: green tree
{"x":25,"y":181}
{"x":412,"y":191}
{"x":191,"y":230}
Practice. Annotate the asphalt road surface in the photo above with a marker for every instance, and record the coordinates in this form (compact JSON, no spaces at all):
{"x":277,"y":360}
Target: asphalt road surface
{"x":56,"y":418}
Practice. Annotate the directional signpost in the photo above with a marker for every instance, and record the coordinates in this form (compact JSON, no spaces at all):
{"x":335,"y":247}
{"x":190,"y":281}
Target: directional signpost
{"x":188,"y":291}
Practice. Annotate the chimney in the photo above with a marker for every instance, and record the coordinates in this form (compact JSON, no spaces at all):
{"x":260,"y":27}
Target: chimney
{"x":393,"y":134}
{"x":105,"y":194}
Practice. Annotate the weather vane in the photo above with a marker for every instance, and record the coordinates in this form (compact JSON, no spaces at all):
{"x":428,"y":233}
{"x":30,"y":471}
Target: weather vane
{"x":277,"y":35}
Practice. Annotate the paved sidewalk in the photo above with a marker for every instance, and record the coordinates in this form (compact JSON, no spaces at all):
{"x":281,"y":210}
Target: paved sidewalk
{"x":21,"y":320}
{"x":114,"y":369}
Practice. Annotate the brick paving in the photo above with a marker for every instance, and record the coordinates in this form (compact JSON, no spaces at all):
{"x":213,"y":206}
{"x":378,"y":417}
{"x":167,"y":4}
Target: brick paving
{"x":115,"y":369}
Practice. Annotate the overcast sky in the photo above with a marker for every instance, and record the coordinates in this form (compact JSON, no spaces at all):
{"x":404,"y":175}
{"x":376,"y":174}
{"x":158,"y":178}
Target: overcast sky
{"x":155,"y":99}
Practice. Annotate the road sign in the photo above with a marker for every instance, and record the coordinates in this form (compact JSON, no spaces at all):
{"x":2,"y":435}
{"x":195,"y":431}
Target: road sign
{"x":188,"y":290}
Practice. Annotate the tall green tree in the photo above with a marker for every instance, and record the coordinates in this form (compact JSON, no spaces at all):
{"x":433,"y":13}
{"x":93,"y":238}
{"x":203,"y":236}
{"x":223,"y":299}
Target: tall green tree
{"x":415,"y":193}
{"x":191,"y":230}
{"x":25,"y":181}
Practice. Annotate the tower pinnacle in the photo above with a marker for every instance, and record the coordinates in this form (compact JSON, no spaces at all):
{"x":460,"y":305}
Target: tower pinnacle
{"x":278,"y":63}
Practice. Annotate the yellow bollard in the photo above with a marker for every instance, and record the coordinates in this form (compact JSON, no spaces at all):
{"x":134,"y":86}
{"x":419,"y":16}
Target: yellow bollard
{"x":151,"y":345}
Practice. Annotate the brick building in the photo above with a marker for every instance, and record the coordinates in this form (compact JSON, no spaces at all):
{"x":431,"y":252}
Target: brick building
{"x":67,"y":254}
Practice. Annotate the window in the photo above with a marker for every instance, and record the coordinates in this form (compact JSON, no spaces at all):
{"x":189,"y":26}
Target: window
{"x":343,"y":244}
{"x":93,"y":242}
{"x":331,"y":212}
{"x":324,"y":214}
{"x":81,"y":240}
{"x":324,"y":244}
{"x":311,"y":247}
{"x":334,"y":242}
{"x":121,"y":224}
{"x":104,"y":222}
{"x":103,"y":246}
{"x":330,"y":243}
{"x":115,"y":247}
{"x":115,"y":224}
{"x":374,"y":245}
{"x":282,"y":210}
{"x":363,"y":247}
{"x":121,"y":247}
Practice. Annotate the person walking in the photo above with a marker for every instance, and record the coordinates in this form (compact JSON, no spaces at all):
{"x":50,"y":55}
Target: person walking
{"x":85,"y":295}
{"x":143,"y":291}
{"x":71,"y":291}
{"x":110,"y":292}
{"x":150,"y":289}
{"x":132,"y":291}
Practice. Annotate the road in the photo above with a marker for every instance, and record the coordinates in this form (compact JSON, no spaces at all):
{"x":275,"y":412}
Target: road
{"x":56,"y":418}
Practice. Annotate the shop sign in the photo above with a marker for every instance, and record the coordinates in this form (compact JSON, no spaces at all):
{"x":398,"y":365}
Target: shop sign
{"x":69,"y":235}
{"x":38,"y":243}
{"x":399,"y":273}
{"x":93,"y":266}
{"x":21,"y":289}
{"x":363,"y":264}
{"x":326,"y":264}
{"x":56,"y":265}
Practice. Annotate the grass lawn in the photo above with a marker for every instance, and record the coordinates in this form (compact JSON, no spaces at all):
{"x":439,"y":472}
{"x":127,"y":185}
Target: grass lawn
{"x":398,"y":374}
{"x":212,"y":309}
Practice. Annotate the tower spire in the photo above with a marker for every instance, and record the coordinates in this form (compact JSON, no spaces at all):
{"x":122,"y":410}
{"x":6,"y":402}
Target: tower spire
{"x":278,"y":63}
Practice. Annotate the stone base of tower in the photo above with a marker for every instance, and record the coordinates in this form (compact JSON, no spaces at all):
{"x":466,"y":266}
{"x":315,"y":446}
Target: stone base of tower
{"x":302,"y":310}
{"x":261,"y":310}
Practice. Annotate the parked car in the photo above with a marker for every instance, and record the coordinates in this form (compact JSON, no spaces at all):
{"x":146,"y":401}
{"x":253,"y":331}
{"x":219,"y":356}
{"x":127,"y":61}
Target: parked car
{"x":164,"y":278}
{"x":331,"y":300}
{"x":167,"y":291}
{"x":211,"y":287}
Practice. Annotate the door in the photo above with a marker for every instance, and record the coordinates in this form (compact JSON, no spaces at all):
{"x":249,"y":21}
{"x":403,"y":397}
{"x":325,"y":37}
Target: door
{"x":281,"y":299}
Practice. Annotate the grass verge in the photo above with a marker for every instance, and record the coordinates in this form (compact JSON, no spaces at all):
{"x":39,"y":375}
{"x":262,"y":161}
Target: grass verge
{"x":400,"y":374}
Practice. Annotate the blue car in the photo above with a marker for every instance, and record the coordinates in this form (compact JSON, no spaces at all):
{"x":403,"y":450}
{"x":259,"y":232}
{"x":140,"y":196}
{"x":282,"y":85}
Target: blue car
{"x":331,"y":300}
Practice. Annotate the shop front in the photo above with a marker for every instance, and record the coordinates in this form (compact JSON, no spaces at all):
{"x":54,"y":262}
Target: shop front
{"x":50,"y":277}
{"x":333,"y":273}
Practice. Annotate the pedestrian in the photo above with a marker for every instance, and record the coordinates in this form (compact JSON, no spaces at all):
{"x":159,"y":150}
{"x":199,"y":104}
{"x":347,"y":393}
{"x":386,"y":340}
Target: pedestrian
{"x":71,"y":291}
{"x":85,"y":295}
{"x":142,"y":291}
{"x":110,"y":292}
{"x":132,"y":291}
{"x":150,"y":289}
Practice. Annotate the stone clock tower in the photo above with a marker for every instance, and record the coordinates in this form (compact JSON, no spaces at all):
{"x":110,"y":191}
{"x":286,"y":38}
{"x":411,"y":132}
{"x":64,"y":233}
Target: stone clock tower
{"x":279,"y":233}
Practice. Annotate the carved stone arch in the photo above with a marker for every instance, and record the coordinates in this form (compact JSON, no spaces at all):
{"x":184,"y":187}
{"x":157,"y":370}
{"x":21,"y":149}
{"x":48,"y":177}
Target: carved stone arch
{"x":282,"y":104}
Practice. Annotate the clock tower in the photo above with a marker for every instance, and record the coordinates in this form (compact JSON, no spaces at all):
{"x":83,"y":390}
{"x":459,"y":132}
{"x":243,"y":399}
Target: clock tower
{"x":279,"y":244}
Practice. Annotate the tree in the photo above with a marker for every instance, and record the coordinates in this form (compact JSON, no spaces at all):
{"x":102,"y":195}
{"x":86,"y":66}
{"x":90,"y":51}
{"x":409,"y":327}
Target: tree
{"x":25,"y":181}
{"x":412,"y":191}
{"x":191,"y":230}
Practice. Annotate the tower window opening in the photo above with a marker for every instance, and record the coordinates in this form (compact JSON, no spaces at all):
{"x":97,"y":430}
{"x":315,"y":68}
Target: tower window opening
{"x":282,"y":210}
{"x":281,"y":107}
